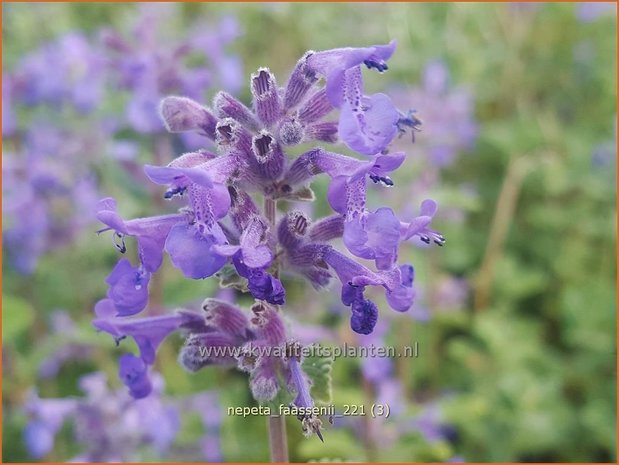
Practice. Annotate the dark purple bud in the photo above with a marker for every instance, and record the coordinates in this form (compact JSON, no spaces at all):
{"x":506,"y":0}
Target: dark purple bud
{"x":266,"y":96}
{"x":128,"y":288}
{"x":301,"y":81}
{"x":182,"y":114}
{"x":292,"y":229}
{"x":262,"y":285}
{"x":327,"y":229}
{"x":326,"y":132}
{"x":364,"y":316}
{"x":408,"y":275}
{"x":226,"y":317}
{"x":316,"y":107}
{"x":205,"y":349}
{"x":134,"y":374}
{"x":269,"y":155}
{"x":291,"y":132}
{"x":226,"y":106}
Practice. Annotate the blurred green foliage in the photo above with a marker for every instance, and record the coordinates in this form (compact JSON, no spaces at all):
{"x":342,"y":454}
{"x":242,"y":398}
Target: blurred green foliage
{"x":530,"y":365}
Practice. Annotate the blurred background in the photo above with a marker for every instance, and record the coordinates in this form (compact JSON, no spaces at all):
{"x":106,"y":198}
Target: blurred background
{"x":514,"y":318}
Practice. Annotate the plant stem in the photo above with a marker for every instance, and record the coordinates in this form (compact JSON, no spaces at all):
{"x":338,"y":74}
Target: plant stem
{"x":503,"y":214}
{"x":278,"y":441}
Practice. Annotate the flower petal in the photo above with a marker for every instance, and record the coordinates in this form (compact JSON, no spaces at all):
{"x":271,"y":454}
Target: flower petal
{"x":370,"y":127}
{"x":191,"y":251}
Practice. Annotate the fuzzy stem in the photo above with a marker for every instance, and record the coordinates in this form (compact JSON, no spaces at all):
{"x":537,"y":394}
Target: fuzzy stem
{"x":278,"y":441}
{"x":270,"y":207}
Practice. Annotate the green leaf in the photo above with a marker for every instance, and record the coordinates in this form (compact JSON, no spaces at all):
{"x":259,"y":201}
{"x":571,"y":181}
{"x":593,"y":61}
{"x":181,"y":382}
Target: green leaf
{"x":228,"y":277}
{"x":318,"y":369}
{"x":17,"y":316}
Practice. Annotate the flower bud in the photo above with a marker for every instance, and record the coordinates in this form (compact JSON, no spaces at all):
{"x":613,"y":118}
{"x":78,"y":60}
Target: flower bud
{"x":266,"y":97}
{"x":182,"y":114}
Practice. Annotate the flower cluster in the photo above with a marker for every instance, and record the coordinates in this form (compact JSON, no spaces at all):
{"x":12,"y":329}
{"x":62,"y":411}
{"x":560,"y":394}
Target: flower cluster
{"x":150,"y":66}
{"x":110,"y":426}
{"x":48,"y":193}
{"x":223,"y":231}
{"x":66,"y":71}
{"x":50,"y":186}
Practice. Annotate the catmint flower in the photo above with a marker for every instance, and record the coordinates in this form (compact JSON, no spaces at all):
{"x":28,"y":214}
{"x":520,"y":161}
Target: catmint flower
{"x":128,"y":288}
{"x":48,"y":191}
{"x":148,"y":333}
{"x":66,"y":70}
{"x":355,"y":277}
{"x":108,"y":425}
{"x":418,"y":227}
{"x":221,"y":230}
{"x":48,"y":417}
{"x":367,"y":124}
{"x":150,"y":67}
{"x":8,"y":114}
{"x":150,"y":232}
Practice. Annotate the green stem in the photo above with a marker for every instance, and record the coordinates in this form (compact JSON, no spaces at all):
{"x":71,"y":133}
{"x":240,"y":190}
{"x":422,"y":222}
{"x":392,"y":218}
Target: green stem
{"x":278,"y":441}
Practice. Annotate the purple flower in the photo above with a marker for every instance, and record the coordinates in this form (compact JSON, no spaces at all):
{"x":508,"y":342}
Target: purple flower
{"x":222,"y":225}
{"x":150,"y":66}
{"x":354,"y":277}
{"x":66,"y":70}
{"x":252,"y":250}
{"x":48,"y":416}
{"x":367,"y":124}
{"x":374,"y":236}
{"x":148,"y":333}
{"x":262,"y":285}
{"x":128,"y":288}
{"x":251,"y":258}
{"x":47,"y":193}
{"x":419,"y":226}
{"x":8,"y":114}
{"x":108,"y":426}
{"x":191,"y":244}
{"x":588,"y":12}
{"x":134,"y":374}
